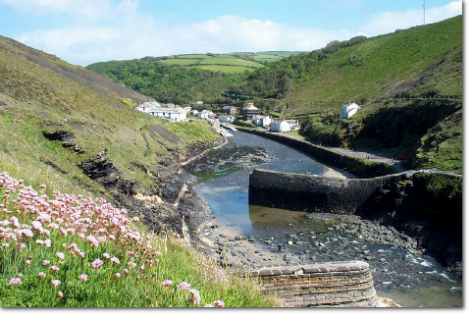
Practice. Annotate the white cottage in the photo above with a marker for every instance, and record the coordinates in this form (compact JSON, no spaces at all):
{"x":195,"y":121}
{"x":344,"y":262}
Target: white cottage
{"x":147,"y":107}
{"x":261,"y":120}
{"x":226,"y":118}
{"x":349,"y":110}
{"x":280,"y":126}
{"x":203,"y":115}
{"x":173,"y":115}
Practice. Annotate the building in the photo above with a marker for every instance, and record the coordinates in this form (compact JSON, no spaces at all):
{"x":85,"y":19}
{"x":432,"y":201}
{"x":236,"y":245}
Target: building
{"x":349,"y":110}
{"x":280,"y":126}
{"x":249,"y":112}
{"x":147,"y":107}
{"x":173,"y":115}
{"x":294,"y":125}
{"x":226,"y":118}
{"x":203,"y":115}
{"x":232,"y":110}
{"x":261,"y":120}
{"x":194,"y":112}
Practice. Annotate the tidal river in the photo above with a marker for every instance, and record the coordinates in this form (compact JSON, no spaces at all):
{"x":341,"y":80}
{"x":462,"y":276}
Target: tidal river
{"x":410,"y":280}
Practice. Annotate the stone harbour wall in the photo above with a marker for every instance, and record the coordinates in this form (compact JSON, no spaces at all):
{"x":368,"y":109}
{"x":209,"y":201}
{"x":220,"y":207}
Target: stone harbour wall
{"x":426,"y":194}
{"x":330,"y":284}
{"x":312,"y":193}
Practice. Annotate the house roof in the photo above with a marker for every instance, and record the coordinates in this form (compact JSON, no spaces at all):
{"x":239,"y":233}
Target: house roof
{"x":251,"y":108}
{"x":345,"y":106}
{"x":150,"y":105}
{"x":170,"y":110}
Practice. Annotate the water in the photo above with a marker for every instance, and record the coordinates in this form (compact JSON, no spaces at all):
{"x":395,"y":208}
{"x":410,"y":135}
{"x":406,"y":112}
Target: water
{"x":409,"y":280}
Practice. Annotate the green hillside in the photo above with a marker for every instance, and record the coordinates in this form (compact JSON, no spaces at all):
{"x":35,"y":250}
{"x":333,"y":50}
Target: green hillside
{"x":56,"y":118}
{"x":415,"y":62}
{"x":186,"y":78}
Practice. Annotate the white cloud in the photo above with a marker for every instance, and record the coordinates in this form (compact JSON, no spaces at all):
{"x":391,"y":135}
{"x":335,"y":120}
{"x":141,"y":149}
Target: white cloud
{"x":126,"y":33}
{"x":388,"y":22}
{"x":135,"y":36}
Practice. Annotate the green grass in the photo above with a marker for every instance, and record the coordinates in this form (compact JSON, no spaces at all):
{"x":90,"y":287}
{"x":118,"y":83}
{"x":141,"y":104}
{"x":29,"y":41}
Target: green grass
{"x":181,"y":62}
{"x":225,"y":69}
{"x":230,"y":62}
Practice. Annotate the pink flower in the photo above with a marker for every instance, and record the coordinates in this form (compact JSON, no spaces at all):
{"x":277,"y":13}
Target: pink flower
{"x":96,"y":263}
{"x":15,"y":281}
{"x":106,"y":256}
{"x":115,"y":260}
{"x":184,"y":286}
{"x":117,"y":275}
{"x":195,"y":298}
{"x":126,"y":271}
{"x":92,"y":240}
{"x":60,"y":255}
{"x":56,"y":283}
{"x":60,"y":294}
{"x":219,"y":303}
{"x":28,"y":262}
{"x":131,"y":265}
{"x":167,"y":283}
{"x":54,"y":268}
{"x":83,"y":277}
{"x":42,"y":275}
{"x":46,"y":262}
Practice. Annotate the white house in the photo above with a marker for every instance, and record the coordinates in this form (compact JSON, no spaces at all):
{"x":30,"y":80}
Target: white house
{"x":226,"y":118}
{"x":194,"y":112}
{"x":203,"y":115}
{"x":173,"y":115}
{"x":261,"y":120}
{"x":294,"y":125}
{"x":349,"y":110}
{"x":147,"y":107}
{"x":280,"y":126}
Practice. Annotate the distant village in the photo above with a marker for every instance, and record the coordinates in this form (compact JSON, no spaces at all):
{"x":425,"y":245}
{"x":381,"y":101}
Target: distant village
{"x":229,"y":114}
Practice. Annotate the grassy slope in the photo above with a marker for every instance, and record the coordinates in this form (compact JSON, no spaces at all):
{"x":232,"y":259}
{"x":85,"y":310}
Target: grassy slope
{"x":381,"y":67}
{"x":422,"y":63}
{"x":37,"y":88}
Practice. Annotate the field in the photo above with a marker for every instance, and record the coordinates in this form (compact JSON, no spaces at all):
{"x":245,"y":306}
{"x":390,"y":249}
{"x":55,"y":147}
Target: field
{"x":232,"y":63}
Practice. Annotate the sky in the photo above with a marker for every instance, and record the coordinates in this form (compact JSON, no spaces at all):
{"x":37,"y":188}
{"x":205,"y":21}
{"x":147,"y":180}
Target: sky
{"x":82,"y":32}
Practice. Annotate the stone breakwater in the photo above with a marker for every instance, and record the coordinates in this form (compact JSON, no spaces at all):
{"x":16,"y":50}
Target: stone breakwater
{"x":332,"y":284}
{"x":425,"y":206}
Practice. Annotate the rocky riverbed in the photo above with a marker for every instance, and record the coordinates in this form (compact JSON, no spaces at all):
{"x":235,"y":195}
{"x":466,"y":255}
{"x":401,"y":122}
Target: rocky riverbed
{"x":396,"y":263}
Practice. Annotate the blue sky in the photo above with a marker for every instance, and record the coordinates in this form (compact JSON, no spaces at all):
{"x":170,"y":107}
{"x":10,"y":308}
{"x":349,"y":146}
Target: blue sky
{"x":86,"y":31}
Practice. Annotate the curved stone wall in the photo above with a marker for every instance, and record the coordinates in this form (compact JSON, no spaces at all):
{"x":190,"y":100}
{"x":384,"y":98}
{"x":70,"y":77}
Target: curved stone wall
{"x":329,"y":284}
{"x":312,"y":193}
